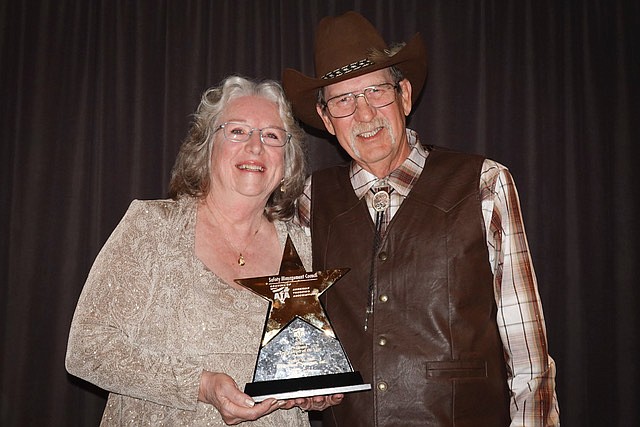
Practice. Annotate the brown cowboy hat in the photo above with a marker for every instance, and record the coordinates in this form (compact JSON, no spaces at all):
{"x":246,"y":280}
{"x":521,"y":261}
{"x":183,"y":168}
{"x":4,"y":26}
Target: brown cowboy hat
{"x":343,"y":47}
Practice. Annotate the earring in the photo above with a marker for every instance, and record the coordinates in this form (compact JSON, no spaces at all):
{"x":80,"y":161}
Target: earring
{"x":282,"y":189}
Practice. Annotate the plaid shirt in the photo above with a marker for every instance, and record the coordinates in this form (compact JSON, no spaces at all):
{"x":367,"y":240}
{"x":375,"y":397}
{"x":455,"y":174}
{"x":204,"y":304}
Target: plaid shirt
{"x":530,"y":369}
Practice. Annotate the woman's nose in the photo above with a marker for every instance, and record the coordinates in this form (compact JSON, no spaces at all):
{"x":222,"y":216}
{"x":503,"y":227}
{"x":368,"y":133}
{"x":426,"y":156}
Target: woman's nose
{"x":254,"y":144}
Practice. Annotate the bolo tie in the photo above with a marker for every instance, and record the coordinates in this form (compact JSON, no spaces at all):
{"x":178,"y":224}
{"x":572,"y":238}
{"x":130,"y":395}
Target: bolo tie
{"x":380,"y":201}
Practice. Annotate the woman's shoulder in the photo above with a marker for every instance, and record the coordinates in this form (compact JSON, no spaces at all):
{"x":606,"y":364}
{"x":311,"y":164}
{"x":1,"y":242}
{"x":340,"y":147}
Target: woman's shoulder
{"x":162,"y":209}
{"x":164,"y":216}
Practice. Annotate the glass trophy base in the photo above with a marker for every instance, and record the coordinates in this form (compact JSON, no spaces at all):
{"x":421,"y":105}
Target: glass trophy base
{"x":292,"y":388}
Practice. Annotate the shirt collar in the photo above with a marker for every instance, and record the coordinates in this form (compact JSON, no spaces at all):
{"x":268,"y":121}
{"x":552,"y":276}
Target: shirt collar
{"x":401,"y":179}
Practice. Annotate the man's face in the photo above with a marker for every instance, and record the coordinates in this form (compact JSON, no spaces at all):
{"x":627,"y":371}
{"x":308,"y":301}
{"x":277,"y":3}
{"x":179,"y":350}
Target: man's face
{"x":373,"y":137}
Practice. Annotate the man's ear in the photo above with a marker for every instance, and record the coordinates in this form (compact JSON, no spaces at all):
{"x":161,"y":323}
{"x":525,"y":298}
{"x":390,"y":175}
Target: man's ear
{"x":325,"y":119}
{"x":405,"y":87}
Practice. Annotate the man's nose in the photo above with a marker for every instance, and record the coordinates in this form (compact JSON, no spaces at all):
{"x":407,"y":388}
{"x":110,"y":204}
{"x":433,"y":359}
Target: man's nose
{"x":364,"y":111}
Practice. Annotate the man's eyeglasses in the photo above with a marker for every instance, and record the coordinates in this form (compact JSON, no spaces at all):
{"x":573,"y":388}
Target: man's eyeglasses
{"x":241,"y":132}
{"x":376,"y":96}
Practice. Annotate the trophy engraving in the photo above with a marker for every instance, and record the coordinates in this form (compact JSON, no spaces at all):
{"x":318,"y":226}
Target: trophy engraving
{"x":300,"y":355}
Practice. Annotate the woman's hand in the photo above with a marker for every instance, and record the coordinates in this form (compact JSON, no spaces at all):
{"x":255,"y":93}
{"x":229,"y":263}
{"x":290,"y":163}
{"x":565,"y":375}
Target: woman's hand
{"x":221,"y":391}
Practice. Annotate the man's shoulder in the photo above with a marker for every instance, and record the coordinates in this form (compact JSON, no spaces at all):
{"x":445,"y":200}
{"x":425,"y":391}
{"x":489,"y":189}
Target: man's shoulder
{"x":333,"y":184}
{"x":332,"y":172}
{"x":332,"y":169}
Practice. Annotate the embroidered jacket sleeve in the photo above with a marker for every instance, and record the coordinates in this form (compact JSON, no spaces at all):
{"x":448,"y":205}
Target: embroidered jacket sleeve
{"x":530,"y":369}
{"x":104,"y":347}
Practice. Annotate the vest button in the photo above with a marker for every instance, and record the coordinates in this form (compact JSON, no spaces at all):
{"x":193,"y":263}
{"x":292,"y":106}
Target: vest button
{"x":382,"y":256}
{"x":382,"y":341}
{"x":382,"y":386}
{"x":383,"y":298}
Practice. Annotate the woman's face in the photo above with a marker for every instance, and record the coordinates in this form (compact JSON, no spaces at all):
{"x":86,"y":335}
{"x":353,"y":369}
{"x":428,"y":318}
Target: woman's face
{"x":249,"y":169}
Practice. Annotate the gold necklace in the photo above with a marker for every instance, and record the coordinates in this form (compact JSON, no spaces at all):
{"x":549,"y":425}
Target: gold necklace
{"x":241,"y":261}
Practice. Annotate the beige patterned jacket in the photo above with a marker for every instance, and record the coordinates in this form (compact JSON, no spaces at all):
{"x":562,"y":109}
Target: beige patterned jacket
{"x":151,"y":317}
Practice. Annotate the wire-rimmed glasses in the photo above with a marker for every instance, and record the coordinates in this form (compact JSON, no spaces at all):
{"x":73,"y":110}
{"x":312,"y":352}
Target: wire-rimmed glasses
{"x":376,"y":96}
{"x":241,"y":132}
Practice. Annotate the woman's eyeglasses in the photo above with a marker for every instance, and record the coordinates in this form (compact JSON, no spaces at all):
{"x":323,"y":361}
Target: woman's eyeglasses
{"x":241,"y":132}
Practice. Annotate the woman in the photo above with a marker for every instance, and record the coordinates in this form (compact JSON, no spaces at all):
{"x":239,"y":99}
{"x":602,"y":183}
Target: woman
{"x":160,"y":323}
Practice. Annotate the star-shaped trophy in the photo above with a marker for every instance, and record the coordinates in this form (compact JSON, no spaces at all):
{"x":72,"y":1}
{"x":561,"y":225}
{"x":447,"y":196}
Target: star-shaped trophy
{"x":300,"y":355}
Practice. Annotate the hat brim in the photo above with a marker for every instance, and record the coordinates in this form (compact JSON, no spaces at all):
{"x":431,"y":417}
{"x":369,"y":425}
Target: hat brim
{"x":302,"y":91}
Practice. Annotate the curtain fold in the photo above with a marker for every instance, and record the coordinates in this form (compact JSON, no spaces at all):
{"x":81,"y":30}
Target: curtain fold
{"x":96,"y":96}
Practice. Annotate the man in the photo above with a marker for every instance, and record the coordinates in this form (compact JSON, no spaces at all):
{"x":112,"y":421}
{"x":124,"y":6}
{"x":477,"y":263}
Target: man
{"x":440,"y":311}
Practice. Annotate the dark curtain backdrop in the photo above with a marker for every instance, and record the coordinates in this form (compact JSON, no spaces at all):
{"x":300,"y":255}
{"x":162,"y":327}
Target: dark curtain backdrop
{"x":96,"y":97}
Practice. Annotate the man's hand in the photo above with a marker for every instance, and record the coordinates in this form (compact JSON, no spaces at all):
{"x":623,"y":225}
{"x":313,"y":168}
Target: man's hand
{"x":318,"y":403}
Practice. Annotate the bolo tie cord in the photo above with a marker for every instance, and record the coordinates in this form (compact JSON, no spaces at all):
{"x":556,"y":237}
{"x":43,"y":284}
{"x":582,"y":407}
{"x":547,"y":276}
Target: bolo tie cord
{"x":377,"y":240}
{"x":376,"y":245}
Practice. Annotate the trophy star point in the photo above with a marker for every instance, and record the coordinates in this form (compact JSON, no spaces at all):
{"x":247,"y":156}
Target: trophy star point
{"x":294,"y":293}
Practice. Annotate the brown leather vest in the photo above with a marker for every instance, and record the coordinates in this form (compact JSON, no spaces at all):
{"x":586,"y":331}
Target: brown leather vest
{"x":432,"y":351}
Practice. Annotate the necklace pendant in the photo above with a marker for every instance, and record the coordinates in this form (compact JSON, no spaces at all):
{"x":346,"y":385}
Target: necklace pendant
{"x":241,"y":260}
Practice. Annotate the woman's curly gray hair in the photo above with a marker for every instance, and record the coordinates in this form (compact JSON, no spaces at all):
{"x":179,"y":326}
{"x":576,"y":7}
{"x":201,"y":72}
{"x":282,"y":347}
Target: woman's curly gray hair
{"x":191,"y":172}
